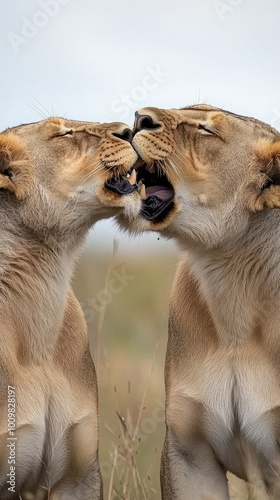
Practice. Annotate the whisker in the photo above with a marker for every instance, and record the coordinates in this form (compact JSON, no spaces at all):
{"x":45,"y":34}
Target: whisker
{"x":36,"y":110}
{"x":164,"y":164}
{"x":48,"y":114}
{"x":84,"y":179}
{"x":100,"y":168}
{"x":161,"y":168}
{"x":53,"y":112}
{"x":90,"y":174}
{"x":94,"y":166}
{"x":171,"y":165}
{"x":182,"y":160}
{"x":180,"y":156}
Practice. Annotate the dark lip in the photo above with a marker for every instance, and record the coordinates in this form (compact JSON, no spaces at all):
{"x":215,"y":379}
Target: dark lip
{"x":153,"y":209}
{"x":119,"y":185}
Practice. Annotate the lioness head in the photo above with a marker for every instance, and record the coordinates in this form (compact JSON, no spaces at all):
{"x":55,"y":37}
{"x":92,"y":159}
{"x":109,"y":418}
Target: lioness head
{"x":53,"y":175}
{"x":205,"y":171}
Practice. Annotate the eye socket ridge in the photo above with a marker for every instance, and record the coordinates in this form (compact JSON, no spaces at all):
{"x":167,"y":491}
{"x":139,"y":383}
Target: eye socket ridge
{"x":203,"y":127}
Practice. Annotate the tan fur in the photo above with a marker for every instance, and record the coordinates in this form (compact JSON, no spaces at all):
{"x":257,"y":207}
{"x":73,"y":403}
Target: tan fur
{"x":51,"y":192}
{"x":223,"y":356}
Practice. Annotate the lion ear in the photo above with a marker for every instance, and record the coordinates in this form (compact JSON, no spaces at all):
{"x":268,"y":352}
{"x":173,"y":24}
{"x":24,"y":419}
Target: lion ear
{"x":268,"y":163}
{"x":13,"y":165}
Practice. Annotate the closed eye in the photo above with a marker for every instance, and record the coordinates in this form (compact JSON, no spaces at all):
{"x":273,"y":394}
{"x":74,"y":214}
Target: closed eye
{"x":208,"y":130}
{"x":68,"y":132}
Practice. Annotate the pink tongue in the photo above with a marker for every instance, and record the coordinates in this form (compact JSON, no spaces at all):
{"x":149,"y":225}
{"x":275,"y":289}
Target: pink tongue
{"x":162,"y":193}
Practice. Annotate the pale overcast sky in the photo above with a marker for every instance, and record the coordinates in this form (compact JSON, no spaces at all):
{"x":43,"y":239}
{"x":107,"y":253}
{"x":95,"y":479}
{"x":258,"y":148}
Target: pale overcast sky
{"x":101,"y":60}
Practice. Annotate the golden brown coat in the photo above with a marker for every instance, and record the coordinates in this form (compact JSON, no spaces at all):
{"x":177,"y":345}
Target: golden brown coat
{"x":52,"y":176}
{"x":223,"y":356}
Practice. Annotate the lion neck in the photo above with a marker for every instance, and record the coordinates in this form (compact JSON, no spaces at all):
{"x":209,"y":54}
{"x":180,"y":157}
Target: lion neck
{"x":34,"y":283}
{"x":240,"y":280}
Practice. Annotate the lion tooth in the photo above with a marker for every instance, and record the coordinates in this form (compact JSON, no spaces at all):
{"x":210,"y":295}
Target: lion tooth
{"x":142,"y":192}
{"x":132,"y":178}
{"x":140,"y":183}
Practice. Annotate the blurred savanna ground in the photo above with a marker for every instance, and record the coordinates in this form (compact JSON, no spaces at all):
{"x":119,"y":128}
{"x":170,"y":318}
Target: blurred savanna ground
{"x":125,"y":301}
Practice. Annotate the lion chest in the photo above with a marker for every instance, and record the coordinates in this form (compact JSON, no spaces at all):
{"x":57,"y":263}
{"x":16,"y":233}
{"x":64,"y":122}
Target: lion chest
{"x":47,"y":410}
{"x":234,"y":390}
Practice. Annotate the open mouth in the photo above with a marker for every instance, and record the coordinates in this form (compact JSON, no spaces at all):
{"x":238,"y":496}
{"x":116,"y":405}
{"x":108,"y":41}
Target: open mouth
{"x":155,"y":190}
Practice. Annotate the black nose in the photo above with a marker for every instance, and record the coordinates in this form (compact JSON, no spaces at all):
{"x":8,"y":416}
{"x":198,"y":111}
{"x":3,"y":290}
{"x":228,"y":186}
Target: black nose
{"x":144,"y":122}
{"x":125,"y":135}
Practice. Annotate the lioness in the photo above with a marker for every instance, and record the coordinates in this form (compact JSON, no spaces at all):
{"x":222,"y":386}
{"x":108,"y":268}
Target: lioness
{"x":52,"y":176}
{"x":210,"y":179}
